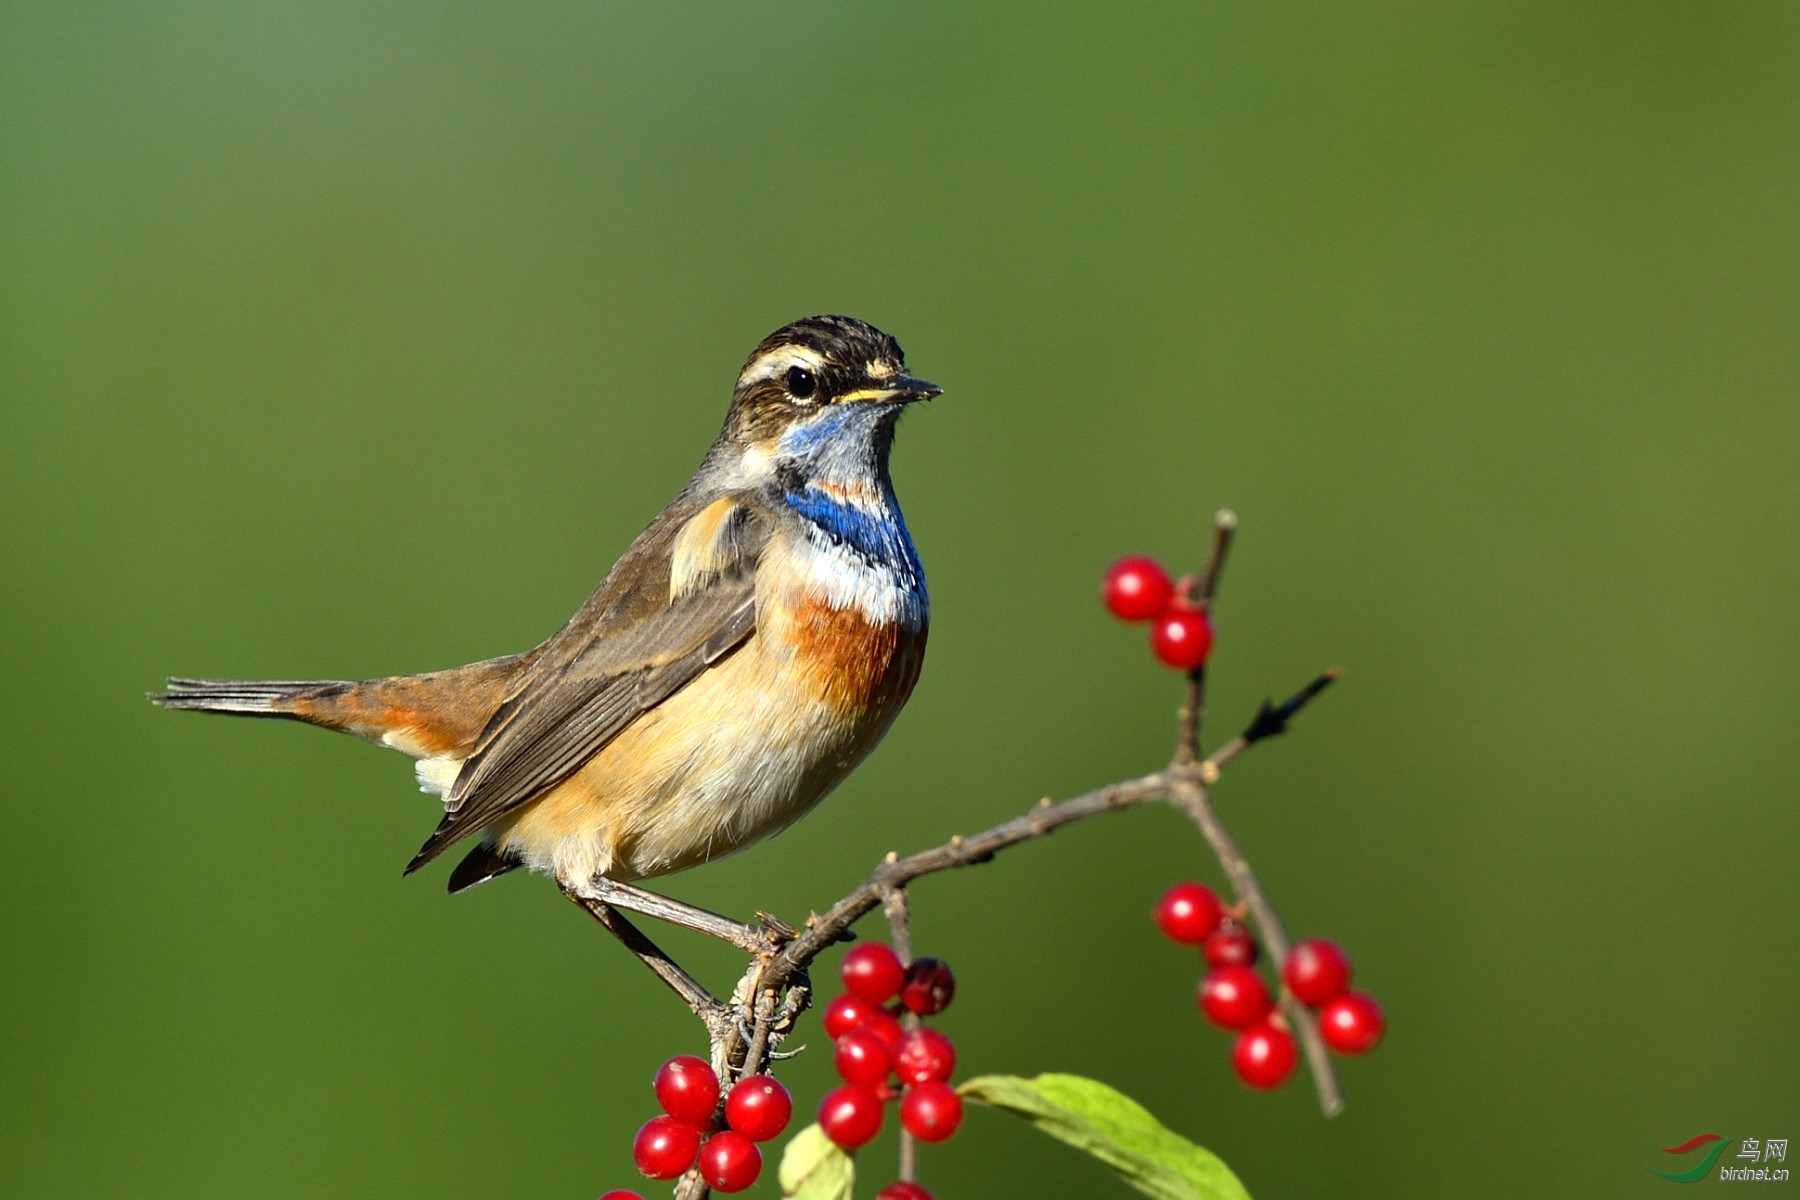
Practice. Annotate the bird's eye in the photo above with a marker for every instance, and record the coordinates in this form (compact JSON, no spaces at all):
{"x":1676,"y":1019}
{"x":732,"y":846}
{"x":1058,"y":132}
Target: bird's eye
{"x":800,"y":383}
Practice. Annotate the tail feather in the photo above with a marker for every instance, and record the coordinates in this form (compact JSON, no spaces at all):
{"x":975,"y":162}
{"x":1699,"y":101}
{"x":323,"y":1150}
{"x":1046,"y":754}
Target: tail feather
{"x":435,"y":718}
{"x":246,"y":698}
{"x":442,"y":712}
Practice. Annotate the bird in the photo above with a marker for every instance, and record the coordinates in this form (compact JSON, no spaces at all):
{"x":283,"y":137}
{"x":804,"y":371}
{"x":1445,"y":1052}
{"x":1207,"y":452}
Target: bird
{"x":749,"y":650}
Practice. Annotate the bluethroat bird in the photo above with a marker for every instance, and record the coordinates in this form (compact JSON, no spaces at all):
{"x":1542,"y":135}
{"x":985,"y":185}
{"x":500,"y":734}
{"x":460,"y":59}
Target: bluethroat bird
{"x":749,"y":649}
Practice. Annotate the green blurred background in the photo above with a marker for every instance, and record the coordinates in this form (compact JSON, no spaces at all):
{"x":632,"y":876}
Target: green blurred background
{"x":344,"y":339}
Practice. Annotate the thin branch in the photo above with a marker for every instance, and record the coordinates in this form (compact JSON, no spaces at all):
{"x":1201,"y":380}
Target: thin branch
{"x":1191,"y":796}
{"x":899,"y":919}
{"x":1225,"y":523}
{"x":833,"y":926}
{"x":909,"y":1156}
{"x":1270,"y":721}
{"x":890,"y":878}
{"x":1047,"y":818}
{"x":760,"y":1033}
{"x":738,"y":1051}
{"x":1193,"y":707}
{"x":1188,"y":792}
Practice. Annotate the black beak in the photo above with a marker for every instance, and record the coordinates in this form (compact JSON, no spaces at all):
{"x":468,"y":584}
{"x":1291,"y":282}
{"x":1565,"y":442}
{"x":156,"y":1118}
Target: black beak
{"x":910,"y":389}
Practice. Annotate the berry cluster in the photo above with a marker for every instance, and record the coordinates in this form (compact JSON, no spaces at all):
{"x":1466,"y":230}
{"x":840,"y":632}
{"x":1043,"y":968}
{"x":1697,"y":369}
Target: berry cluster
{"x":880,"y":1060}
{"x":756,"y":1109}
{"x":1137,"y":588}
{"x":1233,"y":995}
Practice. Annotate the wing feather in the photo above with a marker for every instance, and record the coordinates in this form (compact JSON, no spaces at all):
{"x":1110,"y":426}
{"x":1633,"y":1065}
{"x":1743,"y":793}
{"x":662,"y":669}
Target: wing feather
{"x":630,"y":648}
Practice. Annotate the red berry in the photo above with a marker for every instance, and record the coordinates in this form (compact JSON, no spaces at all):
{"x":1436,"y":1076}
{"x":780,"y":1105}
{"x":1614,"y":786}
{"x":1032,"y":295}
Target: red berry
{"x":1316,"y":970}
{"x":883,"y":1025}
{"x":1263,"y":1056}
{"x":931,"y":1112}
{"x":846,"y":1013}
{"x":621,"y":1194}
{"x":759,"y":1107}
{"x":930,"y":986}
{"x":688,"y":1090}
{"x":926,"y":1056}
{"x":1136,"y":588}
{"x":1188,"y":912}
{"x":872,"y":972}
{"x":1352,"y":1023}
{"x":851,"y":1115}
{"x":862,"y":1057}
{"x":665,"y":1147}
{"x":1230,"y":946}
{"x":730,"y":1162}
{"x":898,"y":1190}
{"x":1234,"y":997}
{"x":1182,"y":637}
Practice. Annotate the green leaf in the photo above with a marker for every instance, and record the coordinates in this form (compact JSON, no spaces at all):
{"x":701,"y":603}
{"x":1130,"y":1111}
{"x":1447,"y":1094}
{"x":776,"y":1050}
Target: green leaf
{"x":1115,"y":1129}
{"x":814,"y":1168}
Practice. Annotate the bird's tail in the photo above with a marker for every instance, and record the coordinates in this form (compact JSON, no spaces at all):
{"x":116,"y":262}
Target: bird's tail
{"x":421,"y":715}
{"x":316,"y":701}
{"x":407,"y":713}
{"x":243,"y":698}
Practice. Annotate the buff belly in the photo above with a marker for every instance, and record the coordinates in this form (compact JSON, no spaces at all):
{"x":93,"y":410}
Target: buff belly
{"x":739,"y":754}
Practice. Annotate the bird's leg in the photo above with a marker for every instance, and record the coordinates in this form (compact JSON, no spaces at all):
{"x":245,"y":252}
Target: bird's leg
{"x":709,"y":1008}
{"x":752,"y":939}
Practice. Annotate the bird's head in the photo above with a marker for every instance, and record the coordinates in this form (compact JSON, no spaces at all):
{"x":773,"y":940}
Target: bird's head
{"x":822,"y":394}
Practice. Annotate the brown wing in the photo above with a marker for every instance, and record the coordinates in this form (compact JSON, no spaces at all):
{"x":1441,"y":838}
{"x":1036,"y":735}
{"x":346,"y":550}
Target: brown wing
{"x":629,"y":648}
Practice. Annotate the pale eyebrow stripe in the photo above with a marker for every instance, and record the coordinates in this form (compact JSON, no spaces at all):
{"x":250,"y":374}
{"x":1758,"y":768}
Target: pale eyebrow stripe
{"x":777,"y":361}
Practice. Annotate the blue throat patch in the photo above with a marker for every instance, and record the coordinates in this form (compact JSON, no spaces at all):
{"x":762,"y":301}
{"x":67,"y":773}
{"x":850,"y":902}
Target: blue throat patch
{"x":879,"y":538}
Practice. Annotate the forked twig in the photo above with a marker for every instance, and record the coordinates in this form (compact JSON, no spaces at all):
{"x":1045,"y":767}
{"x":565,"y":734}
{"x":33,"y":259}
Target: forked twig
{"x":747,"y":1031}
